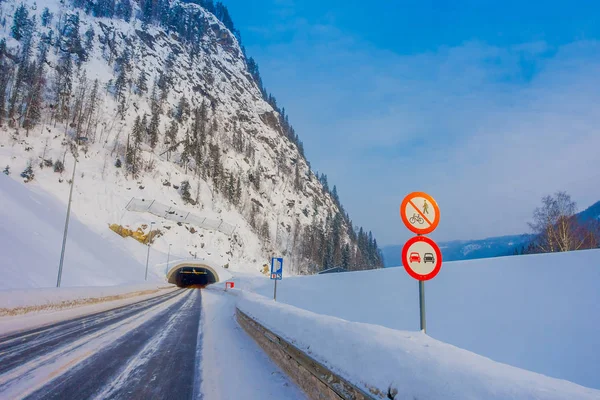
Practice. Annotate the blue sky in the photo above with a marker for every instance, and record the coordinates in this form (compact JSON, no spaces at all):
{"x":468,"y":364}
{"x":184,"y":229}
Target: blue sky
{"x":488,"y":106}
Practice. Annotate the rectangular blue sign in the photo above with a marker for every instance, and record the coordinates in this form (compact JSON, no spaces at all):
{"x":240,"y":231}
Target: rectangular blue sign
{"x":276,"y":268}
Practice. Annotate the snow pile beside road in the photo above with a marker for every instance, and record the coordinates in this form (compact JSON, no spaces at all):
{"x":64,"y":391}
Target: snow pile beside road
{"x":418,"y":366}
{"x":13,"y":302}
{"x":537,"y":312}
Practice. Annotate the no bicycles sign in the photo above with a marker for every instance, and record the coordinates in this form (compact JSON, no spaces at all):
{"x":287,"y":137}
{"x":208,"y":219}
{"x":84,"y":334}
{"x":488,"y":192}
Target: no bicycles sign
{"x":420,"y":213}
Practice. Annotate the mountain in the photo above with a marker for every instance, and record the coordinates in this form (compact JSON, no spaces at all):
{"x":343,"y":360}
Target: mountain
{"x":466,"y":249}
{"x":485,"y":248}
{"x":161,"y":106}
{"x":592,"y":213}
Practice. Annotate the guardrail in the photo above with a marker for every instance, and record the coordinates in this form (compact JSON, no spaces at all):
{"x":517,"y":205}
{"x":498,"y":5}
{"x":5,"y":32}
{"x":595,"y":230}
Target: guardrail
{"x":174,"y":214}
{"x":316,"y":380}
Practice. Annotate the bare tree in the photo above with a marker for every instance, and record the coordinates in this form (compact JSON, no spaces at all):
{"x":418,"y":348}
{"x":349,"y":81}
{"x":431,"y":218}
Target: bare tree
{"x":557,"y":226}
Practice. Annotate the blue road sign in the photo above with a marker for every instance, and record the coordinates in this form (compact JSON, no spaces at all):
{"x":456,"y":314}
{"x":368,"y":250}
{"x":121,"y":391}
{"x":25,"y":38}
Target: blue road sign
{"x":276,"y":268}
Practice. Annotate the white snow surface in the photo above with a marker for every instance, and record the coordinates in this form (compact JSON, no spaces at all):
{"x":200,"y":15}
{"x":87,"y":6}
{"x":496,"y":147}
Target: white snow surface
{"x":418,"y":366}
{"x":31,"y":228}
{"x":233,"y":365}
{"x":46,"y":296}
{"x":537,"y":312}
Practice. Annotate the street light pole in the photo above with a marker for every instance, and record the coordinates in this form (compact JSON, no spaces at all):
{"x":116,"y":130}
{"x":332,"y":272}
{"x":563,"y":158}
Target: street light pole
{"x":168,"y":256}
{"x":148,"y":254}
{"x":64,"y":242}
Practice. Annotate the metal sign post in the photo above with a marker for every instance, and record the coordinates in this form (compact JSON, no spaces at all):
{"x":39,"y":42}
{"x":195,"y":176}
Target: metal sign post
{"x":276,"y":273}
{"x":421,"y":214}
{"x":422,"y":305}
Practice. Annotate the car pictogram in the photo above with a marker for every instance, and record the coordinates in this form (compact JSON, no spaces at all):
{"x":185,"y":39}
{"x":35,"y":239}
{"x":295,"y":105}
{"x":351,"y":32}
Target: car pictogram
{"x":414,"y":257}
{"x":428,"y":257}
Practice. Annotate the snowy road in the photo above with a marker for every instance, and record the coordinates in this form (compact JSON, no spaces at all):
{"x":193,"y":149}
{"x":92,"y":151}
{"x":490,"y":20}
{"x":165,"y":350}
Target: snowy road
{"x":145,"y":350}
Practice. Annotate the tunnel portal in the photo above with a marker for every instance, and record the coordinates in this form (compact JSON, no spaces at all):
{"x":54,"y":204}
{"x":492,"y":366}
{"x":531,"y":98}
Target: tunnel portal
{"x":189,"y":276}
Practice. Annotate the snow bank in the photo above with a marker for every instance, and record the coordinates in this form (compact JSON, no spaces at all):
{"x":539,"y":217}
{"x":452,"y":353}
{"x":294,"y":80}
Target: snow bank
{"x":234,"y":366}
{"x":23,"y":300}
{"x":415,"y":364}
{"x":78,"y":304}
{"x":538,"y":312}
{"x":31,"y":231}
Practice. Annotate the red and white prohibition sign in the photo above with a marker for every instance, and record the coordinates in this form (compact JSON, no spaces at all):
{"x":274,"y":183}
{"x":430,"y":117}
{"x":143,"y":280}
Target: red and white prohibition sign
{"x":422,"y":258}
{"x":420,"y":213}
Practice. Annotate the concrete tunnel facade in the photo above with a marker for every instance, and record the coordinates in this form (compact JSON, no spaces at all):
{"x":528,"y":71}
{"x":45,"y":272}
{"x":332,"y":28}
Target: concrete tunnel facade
{"x":193,"y":274}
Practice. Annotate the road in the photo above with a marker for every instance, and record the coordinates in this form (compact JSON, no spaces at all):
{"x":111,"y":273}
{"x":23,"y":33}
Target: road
{"x":146,"y":350}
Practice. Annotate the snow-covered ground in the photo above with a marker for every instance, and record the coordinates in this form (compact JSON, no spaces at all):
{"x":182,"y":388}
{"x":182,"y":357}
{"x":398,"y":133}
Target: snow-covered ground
{"x":539,"y":312}
{"x":40,"y":307}
{"x":31,"y":228}
{"x":416,"y":365}
{"x":234,"y":367}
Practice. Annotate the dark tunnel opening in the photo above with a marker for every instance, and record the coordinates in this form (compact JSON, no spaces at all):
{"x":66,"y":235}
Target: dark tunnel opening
{"x":194,"y":277}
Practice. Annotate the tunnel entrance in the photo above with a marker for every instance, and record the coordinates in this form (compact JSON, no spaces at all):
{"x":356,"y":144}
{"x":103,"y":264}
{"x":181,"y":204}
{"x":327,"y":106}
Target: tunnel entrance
{"x":193,"y":277}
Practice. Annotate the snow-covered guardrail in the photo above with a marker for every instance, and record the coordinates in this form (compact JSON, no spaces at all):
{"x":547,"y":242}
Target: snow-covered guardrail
{"x":316,"y":380}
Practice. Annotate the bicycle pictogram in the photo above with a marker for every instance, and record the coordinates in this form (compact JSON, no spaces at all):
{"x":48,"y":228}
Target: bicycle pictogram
{"x":416,"y":218}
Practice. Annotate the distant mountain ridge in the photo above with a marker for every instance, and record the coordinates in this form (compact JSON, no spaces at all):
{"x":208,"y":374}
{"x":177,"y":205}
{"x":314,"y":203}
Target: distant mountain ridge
{"x":497,"y":246}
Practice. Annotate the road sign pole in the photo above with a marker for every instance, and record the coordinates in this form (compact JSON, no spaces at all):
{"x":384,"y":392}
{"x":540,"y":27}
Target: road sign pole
{"x":275,"y":291}
{"x":422,"y":305}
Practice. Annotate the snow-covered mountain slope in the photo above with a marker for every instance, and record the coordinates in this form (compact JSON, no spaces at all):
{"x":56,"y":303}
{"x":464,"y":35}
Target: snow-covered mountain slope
{"x":164,"y":107}
{"x":32,"y":230}
{"x":537,"y":312}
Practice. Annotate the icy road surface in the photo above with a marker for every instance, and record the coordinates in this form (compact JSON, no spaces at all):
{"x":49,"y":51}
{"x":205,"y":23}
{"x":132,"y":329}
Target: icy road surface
{"x":148,"y":350}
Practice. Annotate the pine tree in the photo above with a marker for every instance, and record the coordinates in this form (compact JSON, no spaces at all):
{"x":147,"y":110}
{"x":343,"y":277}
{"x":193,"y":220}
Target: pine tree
{"x":28,"y":174}
{"x":146,"y":6}
{"x":138,"y":129}
{"x":230,"y":189}
{"x":71,"y":40}
{"x":46,"y":17}
{"x":297,"y":180}
{"x":6,"y":170}
{"x":124,"y":10}
{"x":182,"y":110}
{"x":153,"y":127}
{"x":104,"y":8}
{"x":238,"y":191}
{"x":334,"y":195}
{"x":120,"y":84}
{"x":63,"y":86}
{"x":346,"y":257}
{"x":20,"y":22}
{"x":186,"y":153}
{"x":185,"y":192}
{"x":59,"y":167}
{"x":256,"y":177}
{"x":89,"y":40}
{"x":5,"y":78}
{"x":142,"y":84}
